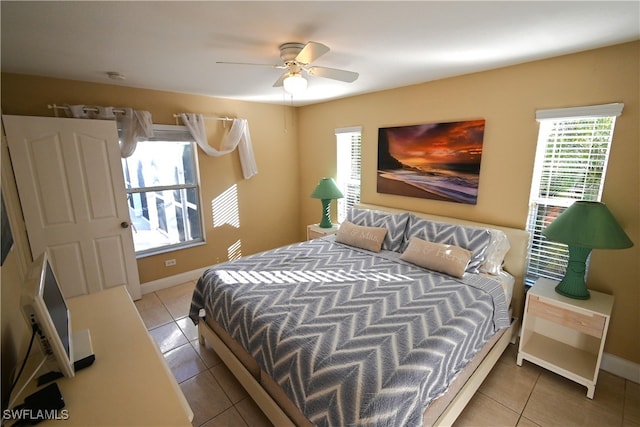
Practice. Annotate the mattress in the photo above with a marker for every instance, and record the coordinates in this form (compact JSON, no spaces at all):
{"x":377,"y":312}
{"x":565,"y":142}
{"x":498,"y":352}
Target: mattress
{"x":350,"y":336}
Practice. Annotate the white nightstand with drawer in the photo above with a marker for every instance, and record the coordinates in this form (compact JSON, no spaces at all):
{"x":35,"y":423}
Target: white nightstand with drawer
{"x":314,"y":231}
{"x":565,"y":335}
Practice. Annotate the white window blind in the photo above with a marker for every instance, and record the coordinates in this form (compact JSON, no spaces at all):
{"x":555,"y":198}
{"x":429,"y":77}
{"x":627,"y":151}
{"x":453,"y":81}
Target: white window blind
{"x":571,"y":163}
{"x":349,"y":154}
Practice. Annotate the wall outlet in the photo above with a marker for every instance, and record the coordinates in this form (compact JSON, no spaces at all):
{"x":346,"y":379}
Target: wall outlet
{"x":169,"y":262}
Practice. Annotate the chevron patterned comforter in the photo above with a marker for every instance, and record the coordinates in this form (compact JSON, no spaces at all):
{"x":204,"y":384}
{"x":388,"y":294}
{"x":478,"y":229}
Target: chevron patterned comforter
{"x":354,"y":338}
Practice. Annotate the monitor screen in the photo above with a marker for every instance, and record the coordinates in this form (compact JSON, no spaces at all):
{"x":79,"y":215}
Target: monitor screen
{"x":57,"y":307}
{"x":45,"y":309}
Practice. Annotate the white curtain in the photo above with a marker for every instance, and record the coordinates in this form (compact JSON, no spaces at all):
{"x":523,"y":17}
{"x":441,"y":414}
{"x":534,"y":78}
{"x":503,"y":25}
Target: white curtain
{"x":238,"y":136}
{"x":135,"y":124}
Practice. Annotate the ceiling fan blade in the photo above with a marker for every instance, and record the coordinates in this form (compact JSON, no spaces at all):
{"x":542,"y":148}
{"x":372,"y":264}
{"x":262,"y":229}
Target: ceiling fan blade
{"x":280,"y":81}
{"x":333,"y":73}
{"x":280,"y":66}
{"x":311,"y":51}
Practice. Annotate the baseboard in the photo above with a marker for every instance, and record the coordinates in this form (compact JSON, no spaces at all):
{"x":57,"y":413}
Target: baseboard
{"x":620,"y":367}
{"x":167,"y":282}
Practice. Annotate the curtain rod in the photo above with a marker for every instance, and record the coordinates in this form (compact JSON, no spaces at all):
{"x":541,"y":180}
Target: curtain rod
{"x":86,"y":109}
{"x":226,"y":119}
{"x":121,"y":111}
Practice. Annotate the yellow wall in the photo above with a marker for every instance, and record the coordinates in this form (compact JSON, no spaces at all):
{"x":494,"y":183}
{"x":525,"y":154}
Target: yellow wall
{"x":15,"y":332}
{"x":275,"y":205}
{"x":267,"y":203}
{"x":507,"y":99}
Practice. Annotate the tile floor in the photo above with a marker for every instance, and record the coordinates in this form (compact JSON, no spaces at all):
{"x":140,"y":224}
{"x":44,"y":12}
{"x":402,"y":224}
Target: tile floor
{"x":510,"y":396}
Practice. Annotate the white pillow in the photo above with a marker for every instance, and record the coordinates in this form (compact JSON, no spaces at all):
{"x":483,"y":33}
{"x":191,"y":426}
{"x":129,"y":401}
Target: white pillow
{"x":496,"y":251}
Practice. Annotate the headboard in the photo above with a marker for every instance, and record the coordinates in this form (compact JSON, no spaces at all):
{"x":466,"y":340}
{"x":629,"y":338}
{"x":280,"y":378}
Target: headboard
{"x":515,"y":262}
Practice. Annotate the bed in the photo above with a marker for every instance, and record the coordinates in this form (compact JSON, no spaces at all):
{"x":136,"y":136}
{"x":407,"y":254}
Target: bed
{"x":395,"y":320}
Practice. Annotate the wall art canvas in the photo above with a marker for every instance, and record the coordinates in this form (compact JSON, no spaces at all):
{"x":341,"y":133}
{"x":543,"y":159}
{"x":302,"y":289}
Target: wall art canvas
{"x":439,"y":161}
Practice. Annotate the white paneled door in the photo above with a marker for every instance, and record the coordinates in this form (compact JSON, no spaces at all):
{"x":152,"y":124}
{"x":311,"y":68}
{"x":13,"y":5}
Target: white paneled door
{"x":69,"y":178}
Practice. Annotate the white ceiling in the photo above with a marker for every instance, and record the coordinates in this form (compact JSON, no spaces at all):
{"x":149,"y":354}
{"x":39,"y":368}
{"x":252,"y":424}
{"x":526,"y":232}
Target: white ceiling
{"x":174,"y":46}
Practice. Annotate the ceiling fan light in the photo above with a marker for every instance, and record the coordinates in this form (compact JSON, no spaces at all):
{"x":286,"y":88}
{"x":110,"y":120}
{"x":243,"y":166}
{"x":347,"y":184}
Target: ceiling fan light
{"x":294,"y":83}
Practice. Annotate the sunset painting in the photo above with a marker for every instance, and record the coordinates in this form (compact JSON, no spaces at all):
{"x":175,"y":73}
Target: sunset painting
{"x":439,"y":161}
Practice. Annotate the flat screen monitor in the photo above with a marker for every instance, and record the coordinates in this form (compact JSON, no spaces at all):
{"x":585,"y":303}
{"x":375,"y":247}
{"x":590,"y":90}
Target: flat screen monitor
{"x":45,"y":308}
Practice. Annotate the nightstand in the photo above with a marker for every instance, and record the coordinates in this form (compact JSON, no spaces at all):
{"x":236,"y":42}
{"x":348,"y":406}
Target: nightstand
{"x":314,"y":231}
{"x":565,"y":335}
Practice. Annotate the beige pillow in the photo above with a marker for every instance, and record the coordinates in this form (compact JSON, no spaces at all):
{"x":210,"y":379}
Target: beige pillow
{"x":370,"y":238}
{"x":448,"y":259}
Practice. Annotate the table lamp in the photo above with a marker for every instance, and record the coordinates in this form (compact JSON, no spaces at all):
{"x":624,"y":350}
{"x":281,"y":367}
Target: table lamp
{"x":326,"y":190}
{"x":584,"y":226}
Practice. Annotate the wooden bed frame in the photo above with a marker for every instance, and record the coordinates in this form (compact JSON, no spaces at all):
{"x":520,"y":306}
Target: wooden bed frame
{"x":514,"y":263}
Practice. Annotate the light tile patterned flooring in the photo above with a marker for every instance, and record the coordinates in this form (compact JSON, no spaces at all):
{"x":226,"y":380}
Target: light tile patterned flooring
{"x":510,"y":396}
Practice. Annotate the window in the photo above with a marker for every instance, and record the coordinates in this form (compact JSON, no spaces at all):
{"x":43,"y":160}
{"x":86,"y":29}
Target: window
{"x":161,"y":180}
{"x":349,"y":144}
{"x":571,"y":163}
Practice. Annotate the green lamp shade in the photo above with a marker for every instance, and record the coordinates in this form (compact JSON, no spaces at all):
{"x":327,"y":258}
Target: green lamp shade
{"x":584,"y":226}
{"x":326,"y":190}
{"x":590,"y":225}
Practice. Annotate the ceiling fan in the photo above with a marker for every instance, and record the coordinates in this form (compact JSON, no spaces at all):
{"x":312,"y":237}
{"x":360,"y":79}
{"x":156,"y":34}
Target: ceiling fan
{"x":296,"y":58}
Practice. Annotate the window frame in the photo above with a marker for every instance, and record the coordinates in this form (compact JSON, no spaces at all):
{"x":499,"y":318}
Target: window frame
{"x":174,"y":133}
{"x":544,"y":253}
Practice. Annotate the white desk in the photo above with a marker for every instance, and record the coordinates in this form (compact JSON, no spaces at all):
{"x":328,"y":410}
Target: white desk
{"x":129,"y":383}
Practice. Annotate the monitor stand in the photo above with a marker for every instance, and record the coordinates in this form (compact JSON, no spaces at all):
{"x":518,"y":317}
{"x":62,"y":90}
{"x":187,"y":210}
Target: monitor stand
{"x":82,"y":354}
{"x":82,"y":350}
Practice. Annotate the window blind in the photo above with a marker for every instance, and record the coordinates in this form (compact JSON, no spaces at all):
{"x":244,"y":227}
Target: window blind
{"x":571,"y":162}
{"x":349,"y":159}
